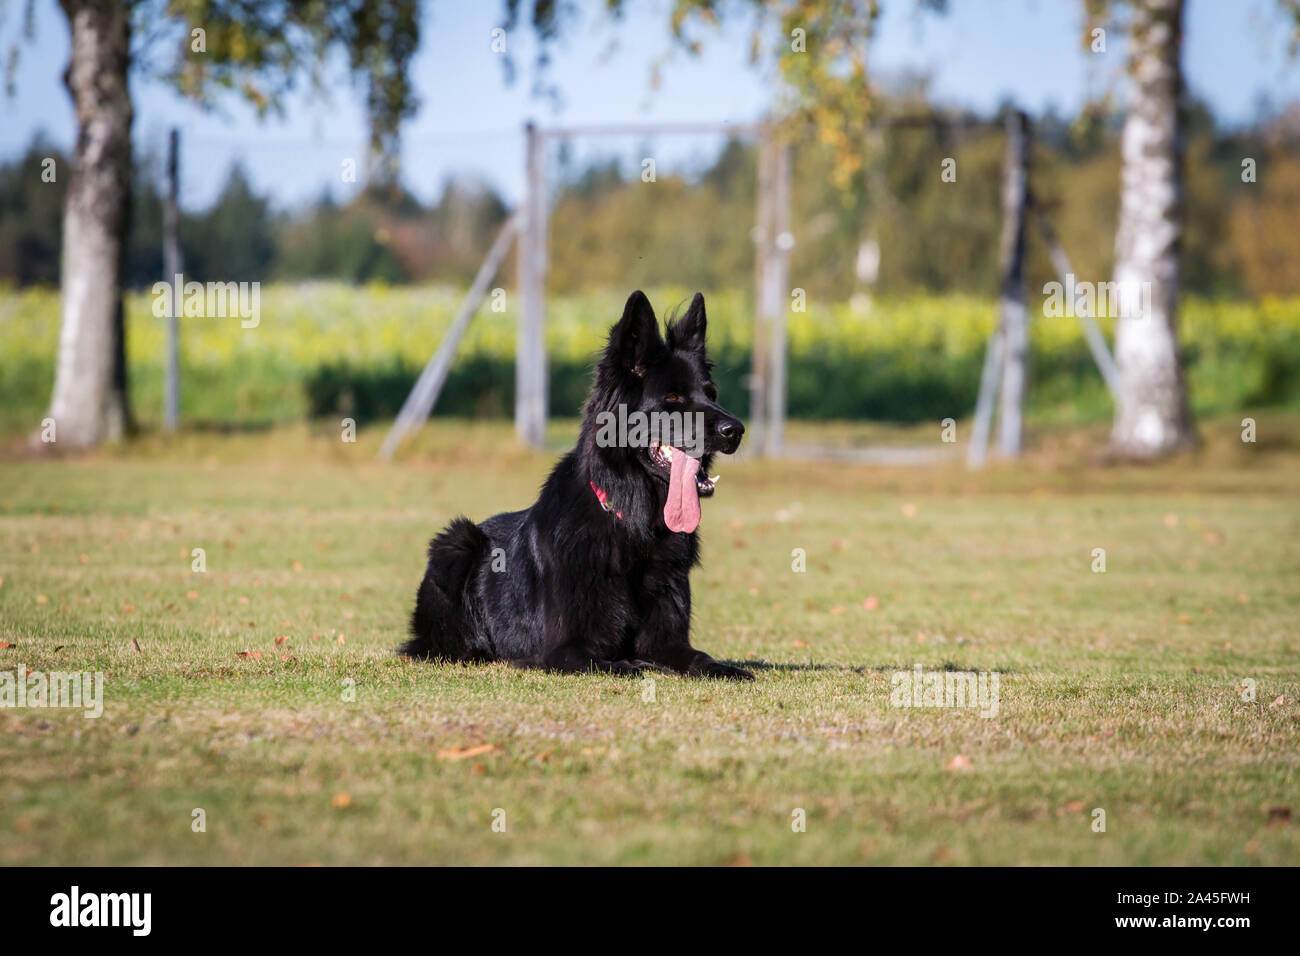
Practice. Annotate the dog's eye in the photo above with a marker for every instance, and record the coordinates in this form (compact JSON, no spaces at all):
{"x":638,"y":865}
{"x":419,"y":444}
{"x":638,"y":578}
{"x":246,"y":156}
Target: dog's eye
{"x":672,"y":397}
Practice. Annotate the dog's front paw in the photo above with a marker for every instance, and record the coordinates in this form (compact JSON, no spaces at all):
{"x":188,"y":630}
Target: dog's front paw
{"x":632,"y":668}
{"x":716,"y":670}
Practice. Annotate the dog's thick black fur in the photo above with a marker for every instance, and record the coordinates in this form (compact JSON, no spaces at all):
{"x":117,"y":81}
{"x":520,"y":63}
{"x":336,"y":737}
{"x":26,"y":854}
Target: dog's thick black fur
{"x":570,"y":586}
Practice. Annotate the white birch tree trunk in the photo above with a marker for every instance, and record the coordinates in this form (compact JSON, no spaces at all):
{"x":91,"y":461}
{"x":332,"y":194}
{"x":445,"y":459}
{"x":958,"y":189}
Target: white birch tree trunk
{"x":89,"y":402}
{"x":1151,"y":414}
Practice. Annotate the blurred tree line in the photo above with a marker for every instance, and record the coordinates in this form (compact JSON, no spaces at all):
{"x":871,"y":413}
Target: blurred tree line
{"x":609,"y":229}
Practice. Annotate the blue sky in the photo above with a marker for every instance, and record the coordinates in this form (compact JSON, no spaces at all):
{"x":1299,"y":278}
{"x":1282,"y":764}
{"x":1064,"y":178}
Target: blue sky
{"x":979,"y":53}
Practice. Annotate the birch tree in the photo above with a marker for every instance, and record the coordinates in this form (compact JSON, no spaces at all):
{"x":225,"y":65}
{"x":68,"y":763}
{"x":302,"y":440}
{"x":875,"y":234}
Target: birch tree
{"x":1152,"y":417}
{"x":90,"y":402}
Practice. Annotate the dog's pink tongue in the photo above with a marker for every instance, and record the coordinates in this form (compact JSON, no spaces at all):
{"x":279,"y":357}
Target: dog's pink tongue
{"x":682,"y":510}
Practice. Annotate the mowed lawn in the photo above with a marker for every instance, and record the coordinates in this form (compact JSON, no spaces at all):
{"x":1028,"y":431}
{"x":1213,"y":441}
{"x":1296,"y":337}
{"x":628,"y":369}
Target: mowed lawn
{"x":1123,"y":691}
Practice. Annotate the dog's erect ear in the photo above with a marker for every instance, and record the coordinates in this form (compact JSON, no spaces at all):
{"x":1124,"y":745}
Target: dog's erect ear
{"x":635,"y":342}
{"x":687,"y":333}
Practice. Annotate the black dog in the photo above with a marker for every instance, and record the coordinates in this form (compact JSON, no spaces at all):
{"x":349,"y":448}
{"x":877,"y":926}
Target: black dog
{"x":596,"y":574}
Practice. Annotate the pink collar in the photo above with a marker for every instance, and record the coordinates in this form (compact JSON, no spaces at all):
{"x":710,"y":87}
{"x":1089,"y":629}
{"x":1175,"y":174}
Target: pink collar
{"x":604,"y":502}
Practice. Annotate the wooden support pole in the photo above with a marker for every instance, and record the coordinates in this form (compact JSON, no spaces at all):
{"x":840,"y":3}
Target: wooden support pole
{"x":1014,"y":317}
{"x":172,"y":268}
{"x":977,"y":450}
{"x":419,"y":403}
{"x":777,"y":285}
{"x":764,"y":243}
{"x":530,"y":347}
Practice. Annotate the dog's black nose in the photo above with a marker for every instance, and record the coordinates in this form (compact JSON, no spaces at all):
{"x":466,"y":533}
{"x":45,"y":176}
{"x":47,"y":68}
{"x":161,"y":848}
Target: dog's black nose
{"x":730,"y":429}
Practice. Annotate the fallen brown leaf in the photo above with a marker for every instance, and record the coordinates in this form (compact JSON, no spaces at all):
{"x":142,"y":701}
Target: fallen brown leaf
{"x":255,"y":655}
{"x":460,"y":753}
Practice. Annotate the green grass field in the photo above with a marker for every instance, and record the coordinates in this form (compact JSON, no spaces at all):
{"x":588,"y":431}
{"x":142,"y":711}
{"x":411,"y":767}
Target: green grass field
{"x":1119,"y":690}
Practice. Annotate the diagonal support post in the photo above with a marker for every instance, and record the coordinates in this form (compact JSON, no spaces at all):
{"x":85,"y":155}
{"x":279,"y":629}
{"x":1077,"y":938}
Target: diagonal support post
{"x":1092,"y":333}
{"x":419,"y":403}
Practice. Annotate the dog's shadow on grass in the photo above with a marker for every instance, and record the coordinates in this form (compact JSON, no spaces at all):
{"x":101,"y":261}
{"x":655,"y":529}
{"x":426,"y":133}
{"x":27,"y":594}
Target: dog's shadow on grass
{"x":784,"y":667}
{"x":810,"y":666}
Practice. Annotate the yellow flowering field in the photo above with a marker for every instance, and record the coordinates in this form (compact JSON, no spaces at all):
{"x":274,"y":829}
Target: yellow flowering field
{"x":325,"y":346}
